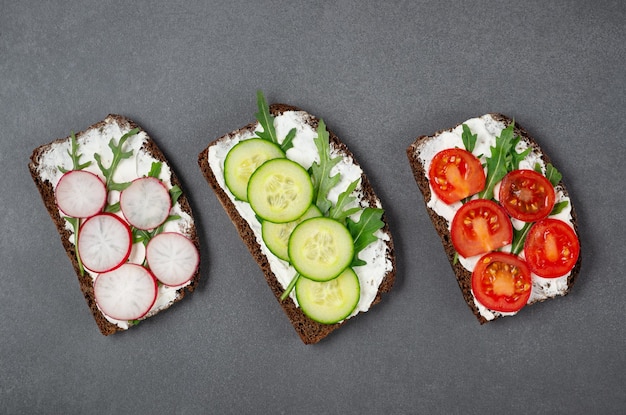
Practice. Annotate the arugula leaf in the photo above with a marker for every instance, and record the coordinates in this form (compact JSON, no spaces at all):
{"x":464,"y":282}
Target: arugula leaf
{"x":75,"y":222}
{"x":267,"y":122}
{"x":516,"y":157}
{"x":339,"y":211}
{"x":519,"y":236}
{"x":500,"y":160}
{"x":320,"y":172}
{"x":118,"y":155}
{"x":175,"y":193}
{"x":155,"y":169}
{"x":469,"y":139}
{"x":558,"y":207}
{"x":363,"y":231}
{"x":290,"y":287}
{"x":114,"y":208}
{"x":553,"y":175}
{"x":74,"y":155}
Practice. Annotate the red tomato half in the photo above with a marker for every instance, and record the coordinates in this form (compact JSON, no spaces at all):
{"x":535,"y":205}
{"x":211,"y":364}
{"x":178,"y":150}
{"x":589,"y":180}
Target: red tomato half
{"x":455,"y":174}
{"x":480,"y":226}
{"x":551,"y":248}
{"x":501,"y":282}
{"x":527,"y":195}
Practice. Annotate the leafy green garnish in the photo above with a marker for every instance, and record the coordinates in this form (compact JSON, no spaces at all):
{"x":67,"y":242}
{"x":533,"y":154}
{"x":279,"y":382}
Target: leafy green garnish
{"x":519,"y":236}
{"x":504,"y":158}
{"x":75,"y":222}
{"x":267,"y":122}
{"x":558,"y":207}
{"x":118,"y":155}
{"x":289,"y":288}
{"x":363,"y":231}
{"x":155,"y":169}
{"x":339,"y":211}
{"x":75,"y":156}
{"x":553,"y":175}
{"x":469,"y":139}
{"x":320,"y":172}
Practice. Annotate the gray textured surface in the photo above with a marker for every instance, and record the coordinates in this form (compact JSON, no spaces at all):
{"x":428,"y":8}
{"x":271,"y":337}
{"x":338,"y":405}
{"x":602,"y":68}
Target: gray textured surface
{"x":379,"y":75}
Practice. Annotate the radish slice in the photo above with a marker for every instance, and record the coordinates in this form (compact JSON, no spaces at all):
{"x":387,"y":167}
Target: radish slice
{"x":172,"y":258}
{"x":126,"y":293}
{"x":104,"y":242}
{"x":80,"y":194}
{"x":145,"y":203}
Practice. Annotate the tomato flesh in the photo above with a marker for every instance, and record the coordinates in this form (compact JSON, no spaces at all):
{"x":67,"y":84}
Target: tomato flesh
{"x":480,"y":226}
{"x":501,"y":282}
{"x":551,"y":248}
{"x":527,"y":195}
{"x":455,"y":174}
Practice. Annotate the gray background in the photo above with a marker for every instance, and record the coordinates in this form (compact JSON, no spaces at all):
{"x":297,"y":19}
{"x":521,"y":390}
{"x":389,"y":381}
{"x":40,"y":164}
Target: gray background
{"x":380,"y":74}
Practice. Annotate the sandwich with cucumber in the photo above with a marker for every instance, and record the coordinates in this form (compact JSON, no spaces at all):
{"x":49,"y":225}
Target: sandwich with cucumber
{"x":502,"y":211}
{"x":123,"y":219}
{"x":308,"y":215}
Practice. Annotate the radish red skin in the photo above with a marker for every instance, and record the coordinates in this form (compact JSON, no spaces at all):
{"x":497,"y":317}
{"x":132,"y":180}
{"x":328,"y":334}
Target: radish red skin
{"x":96,"y":189}
{"x":172,"y":243}
{"x":125,"y":243}
{"x":128,"y":302}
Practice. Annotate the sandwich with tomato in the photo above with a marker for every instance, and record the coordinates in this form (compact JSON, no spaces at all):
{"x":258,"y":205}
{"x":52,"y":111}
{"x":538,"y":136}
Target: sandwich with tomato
{"x":502,"y":211}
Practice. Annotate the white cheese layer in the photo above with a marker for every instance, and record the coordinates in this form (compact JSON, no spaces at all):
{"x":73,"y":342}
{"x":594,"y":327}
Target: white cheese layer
{"x":305,"y":153}
{"x":96,"y":141}
{"x":487,"y":129}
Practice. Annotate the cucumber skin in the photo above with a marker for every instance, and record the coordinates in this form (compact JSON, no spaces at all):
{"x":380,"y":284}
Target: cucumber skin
{"x":248,"y":147}
{"x":319,"y":313}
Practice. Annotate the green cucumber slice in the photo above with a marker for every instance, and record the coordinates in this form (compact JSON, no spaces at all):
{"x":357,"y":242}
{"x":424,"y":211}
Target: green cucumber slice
{"x":321,"y":248}
{"x":243,"y":159}
{"x":331,"y":301}
{"x":280,"y":191}
{"x":276,"y":235}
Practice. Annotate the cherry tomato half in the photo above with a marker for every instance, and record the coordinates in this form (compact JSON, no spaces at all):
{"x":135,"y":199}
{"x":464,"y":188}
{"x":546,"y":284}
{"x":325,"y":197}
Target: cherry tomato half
{"x":527,"y":195}
{"x":501,"y":282}
{"x":551,"y":248}
{"x":480,"y":226}
{"x":455,"y":174}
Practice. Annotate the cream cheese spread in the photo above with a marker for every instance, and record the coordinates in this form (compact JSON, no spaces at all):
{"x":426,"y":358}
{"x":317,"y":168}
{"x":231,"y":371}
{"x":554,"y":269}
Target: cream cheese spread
{"x":487,"y":129}
{"x":305,"y":153}
{"x":95,"y":141}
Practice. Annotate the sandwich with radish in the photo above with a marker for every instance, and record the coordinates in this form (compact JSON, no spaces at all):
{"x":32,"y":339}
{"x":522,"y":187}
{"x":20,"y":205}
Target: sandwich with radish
{"x":123,"y":220}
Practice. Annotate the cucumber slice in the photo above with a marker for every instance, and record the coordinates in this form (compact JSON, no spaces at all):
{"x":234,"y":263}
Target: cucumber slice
{"x":276,"y":235}
{"x":243,"y":159}
{"x":280,"y":191}
{"x":320,"y":248}
{"x":331,"y":301}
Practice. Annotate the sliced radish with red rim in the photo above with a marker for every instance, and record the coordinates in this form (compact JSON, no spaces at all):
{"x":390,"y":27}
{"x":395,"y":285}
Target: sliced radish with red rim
{"x":104,"y":242}
{"x":80,"y":194}
{"x":172,"y":258}
{"x":126,"y":293}
{"x":145,"y":203}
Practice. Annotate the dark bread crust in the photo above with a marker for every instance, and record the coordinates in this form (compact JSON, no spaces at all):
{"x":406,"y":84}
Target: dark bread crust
{"x":309,"y":331}
{"x":463,"y":276}
{"x":46,"y":189}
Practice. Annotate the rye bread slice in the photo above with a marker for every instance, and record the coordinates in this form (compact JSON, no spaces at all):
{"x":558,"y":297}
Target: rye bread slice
{"x":463,"y":276}
{"x":39,"y":163}
{"x":309,"y":331}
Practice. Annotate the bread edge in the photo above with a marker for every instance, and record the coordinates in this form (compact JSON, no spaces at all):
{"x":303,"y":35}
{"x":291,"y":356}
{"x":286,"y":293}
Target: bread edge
{"x":310,"y":332}
{"x":462,"y":275}
{"x":46,"y":190}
